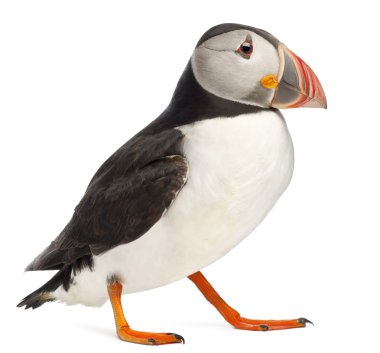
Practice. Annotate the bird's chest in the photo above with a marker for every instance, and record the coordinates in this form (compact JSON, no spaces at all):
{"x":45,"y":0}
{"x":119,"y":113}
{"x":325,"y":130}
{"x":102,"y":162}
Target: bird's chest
{"x":238,"y":168}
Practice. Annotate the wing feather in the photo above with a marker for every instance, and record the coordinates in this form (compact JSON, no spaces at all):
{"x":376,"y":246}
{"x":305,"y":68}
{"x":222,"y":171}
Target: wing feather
{"x":126,"y":197}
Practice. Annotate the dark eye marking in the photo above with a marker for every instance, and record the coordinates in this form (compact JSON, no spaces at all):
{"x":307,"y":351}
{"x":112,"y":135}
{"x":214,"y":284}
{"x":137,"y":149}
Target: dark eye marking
{"x":246,"y":48}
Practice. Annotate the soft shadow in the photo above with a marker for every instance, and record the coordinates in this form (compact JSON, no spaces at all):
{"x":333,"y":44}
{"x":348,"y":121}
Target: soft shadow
{"x":97,"y":329}
{"x":204,"y":324}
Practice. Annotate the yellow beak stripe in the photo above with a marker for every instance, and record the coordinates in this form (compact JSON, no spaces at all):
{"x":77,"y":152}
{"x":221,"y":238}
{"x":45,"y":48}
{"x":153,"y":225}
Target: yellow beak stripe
{"x":269,"y":81}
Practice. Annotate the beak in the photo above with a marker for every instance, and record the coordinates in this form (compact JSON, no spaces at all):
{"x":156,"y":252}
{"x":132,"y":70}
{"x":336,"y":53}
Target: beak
{"x":298,"y":86}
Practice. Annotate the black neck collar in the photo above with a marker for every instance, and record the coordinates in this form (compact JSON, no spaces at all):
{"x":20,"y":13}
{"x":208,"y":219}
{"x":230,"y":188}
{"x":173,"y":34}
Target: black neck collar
{"x":190,"y":103}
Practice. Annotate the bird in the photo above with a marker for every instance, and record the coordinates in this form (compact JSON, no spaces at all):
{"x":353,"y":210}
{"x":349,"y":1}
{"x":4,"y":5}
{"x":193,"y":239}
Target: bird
{"x":188,"y":187}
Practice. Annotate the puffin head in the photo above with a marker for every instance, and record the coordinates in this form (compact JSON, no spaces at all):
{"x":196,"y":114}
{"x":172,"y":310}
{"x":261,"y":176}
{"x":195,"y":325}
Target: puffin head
{"x":248,"y":65}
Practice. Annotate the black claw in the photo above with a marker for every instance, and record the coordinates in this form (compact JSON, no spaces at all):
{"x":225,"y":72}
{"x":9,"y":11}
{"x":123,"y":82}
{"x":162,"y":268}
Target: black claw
{"x":152,"y":340}
{"x":178,"y":337}
{"x":302,"y":320}
{"x":264,"y":327}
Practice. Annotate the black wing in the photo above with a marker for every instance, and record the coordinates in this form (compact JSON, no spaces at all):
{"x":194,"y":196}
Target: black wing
{"x":126,"y":197}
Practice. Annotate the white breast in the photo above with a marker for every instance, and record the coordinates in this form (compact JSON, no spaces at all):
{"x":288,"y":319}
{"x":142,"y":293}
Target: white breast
{"x":239,"y":167}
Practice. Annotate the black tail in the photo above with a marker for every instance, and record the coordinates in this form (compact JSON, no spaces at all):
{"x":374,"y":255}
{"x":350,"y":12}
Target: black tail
{"x":45,"y":293}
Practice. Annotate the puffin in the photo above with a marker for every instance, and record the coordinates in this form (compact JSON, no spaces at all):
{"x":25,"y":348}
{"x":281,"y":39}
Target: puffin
{"x":190,"y":186}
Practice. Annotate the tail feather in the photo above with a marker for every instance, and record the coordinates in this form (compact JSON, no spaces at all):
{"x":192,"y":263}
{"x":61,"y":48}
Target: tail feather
{"x":45,"y":293}
{"x":36,"y":299}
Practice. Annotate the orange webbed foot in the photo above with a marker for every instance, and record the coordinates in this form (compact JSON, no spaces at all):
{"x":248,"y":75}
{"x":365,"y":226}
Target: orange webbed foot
{"x":125,"y":333}
{"x":234,"y":318}
{"x":242,"y":323}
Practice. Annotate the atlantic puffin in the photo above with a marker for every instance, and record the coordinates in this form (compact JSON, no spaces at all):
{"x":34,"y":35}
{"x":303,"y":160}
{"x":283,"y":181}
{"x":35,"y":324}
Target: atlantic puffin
{"x":190,"y":186}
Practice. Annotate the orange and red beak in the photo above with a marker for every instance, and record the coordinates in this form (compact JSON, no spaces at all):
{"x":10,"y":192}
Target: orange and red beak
{"x":297,"y":84}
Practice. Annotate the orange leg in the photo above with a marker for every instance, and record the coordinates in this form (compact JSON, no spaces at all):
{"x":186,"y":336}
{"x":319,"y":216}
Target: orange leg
{"x":126,"y":333}
{"x":233,"y":317}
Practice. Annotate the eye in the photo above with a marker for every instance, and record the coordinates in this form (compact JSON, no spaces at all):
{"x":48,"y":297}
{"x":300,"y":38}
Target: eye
{"x":246,"y":48}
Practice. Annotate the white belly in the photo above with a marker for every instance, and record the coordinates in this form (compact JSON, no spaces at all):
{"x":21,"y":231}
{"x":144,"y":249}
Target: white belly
{"x":238,"y":168}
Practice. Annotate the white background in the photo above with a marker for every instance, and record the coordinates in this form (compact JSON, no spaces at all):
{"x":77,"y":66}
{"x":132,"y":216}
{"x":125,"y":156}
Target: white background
{"x":78,"y":78}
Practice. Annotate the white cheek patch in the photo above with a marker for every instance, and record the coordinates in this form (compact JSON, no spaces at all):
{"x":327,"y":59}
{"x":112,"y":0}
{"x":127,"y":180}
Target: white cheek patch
{"x":225,"y":73}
